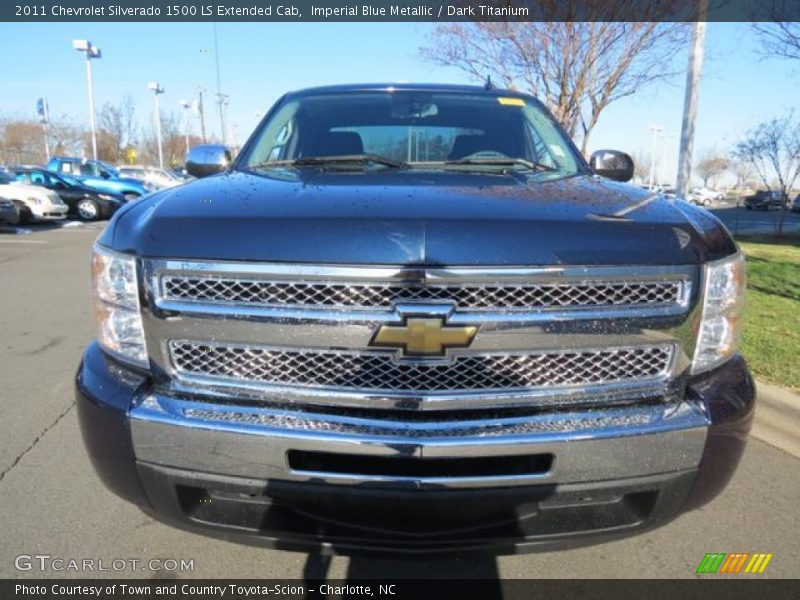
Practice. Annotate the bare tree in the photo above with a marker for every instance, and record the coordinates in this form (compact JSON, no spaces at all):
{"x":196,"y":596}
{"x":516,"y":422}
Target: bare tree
{"x":781,"y":39}
{"x":22,"y":142}
{"x":773,"y":148}
{"x":576,"y":68}
{"x":116,"y":129}
{"x":66,"y":138}
{"x":710,"y":167}
{"x":173,"y":142}
{"x":743,"y":171}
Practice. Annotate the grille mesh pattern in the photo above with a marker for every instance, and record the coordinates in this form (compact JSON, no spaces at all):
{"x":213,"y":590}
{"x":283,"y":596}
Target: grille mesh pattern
{"x":381,"y":372}
{"x":508,"y":296}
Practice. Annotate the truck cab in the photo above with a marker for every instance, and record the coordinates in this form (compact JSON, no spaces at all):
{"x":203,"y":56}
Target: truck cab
{"x":98,"y":175}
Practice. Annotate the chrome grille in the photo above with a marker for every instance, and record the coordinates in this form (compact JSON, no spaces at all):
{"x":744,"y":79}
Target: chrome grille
{"x":379,"y":372}
{"x":483,"y":296}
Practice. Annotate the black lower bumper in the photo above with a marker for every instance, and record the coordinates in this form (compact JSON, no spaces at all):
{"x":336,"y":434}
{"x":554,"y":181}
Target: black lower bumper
{"x":371,"y":518}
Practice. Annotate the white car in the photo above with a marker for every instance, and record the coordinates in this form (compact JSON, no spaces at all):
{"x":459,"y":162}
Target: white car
{"x":34,"y":203}
{"x":705,"y":196}
{"x":153,"y":177}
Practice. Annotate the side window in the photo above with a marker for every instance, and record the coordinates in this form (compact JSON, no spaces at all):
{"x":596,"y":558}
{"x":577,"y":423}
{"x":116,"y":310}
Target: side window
{"x":66,"y":167}
{"x":37,"y":178}
{"x":87,"y":170}
{"x":23,"y":178}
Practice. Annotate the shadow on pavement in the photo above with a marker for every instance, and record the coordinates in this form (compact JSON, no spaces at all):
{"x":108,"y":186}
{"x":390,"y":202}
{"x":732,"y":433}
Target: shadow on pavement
{"x":359,"y":568}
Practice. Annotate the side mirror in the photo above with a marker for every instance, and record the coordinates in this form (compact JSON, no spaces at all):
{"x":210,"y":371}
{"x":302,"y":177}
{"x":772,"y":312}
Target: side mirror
{"x":208,"y":159}
{"x":612,"y":164}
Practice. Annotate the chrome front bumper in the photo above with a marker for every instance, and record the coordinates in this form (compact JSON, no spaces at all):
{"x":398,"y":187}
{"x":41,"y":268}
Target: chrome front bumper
{"x":252,"y":442}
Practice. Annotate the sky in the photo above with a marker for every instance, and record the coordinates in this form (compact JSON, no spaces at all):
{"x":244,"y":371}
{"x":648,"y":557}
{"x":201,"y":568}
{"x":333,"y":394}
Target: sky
{"x":261,"y":61}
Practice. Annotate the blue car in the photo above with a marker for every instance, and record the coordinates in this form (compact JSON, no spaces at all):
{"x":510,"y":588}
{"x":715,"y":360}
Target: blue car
{"x":98,"y":175}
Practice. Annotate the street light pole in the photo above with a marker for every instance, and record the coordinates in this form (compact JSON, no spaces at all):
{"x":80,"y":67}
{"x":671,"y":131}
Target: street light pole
{"x":690,"y":103}
{"x":91,"y":52}
{"x":222,"y":99}
{"x":655,"y":129}
{"x":157,"y":91}
{"x":201,"y":114}
{"x":185,"y":106}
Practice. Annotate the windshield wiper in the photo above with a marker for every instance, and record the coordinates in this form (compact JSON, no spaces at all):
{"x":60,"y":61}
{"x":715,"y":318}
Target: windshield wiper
{"x":333,"y":160}
{"x":501,"y":162}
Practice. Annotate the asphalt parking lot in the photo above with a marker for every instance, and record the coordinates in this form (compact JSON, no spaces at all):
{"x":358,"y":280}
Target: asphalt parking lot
{"x":51,"y":503}
{"x":739,"y":220}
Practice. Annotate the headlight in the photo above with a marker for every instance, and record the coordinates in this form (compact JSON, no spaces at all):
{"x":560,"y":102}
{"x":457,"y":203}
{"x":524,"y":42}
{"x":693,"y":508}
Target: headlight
{"x":116,"y":299}
{"x":34,"y":200}
{"x":723,"y":303}
{"x":106,"y":197}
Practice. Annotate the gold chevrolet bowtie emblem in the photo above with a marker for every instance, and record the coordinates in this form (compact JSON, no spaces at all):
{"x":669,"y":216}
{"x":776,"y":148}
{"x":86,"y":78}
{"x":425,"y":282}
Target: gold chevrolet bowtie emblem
{"x":420,"y":336}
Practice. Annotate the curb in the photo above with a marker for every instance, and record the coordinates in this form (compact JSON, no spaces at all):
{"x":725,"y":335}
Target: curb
{"x":777,"y":418}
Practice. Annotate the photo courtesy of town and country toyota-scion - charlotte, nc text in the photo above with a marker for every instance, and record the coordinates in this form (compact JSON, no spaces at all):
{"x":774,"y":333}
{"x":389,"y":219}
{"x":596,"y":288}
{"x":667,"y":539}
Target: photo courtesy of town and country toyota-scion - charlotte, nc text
{"x":221,"y":10}
{"x":227,"y":590}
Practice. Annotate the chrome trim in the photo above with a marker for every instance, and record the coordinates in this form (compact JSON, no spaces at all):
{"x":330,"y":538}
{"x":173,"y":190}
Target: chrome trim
{"x":345,"y":330}
{"x":253,"y":442}
{"x":433,"y":277}
{"x":382,"y":274}
{"x":225,"y":389}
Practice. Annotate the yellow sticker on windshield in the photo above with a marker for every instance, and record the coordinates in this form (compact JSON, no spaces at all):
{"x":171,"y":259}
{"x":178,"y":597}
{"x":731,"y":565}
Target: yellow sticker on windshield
{"x":511,"y":101}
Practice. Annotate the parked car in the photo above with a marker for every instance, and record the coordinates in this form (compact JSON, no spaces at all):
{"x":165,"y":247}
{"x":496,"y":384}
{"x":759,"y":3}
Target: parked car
{"x":349,"y":343}
{"x":153,"y":177}
{"x":9,"y":213}
{"x":33,"y":203}
{"x":181,"y":173}
{"x":796,"y":204}
{"x":705,"y":196}
{"x":764,"y":200}
{"x":84,"y":202}
{"x":98,"y":175}
{"x":666,"y":190}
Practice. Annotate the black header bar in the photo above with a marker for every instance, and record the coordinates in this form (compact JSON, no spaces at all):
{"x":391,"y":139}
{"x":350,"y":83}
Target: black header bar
{"x":399,"y":10}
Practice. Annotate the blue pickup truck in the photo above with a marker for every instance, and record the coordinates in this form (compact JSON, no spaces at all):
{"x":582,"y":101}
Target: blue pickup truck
{"x":412,"y":319}
{"x":98,"y":175}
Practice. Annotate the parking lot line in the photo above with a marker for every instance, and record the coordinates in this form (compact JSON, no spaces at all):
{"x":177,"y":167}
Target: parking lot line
{"x":23,"y":242}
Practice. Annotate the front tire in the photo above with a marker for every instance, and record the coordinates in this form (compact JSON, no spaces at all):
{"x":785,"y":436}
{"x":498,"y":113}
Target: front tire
{"x":25,"y":214}
{"x":87,"y":209}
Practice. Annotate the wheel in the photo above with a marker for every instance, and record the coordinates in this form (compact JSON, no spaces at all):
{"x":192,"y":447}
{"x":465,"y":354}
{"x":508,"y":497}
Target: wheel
{"x":130,"y":196}
{"x":25,"y":214}
{"x":87,"y":209}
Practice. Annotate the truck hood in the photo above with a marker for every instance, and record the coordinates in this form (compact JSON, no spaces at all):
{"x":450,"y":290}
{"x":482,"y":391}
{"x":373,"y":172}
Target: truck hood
{"x":413,"y":217}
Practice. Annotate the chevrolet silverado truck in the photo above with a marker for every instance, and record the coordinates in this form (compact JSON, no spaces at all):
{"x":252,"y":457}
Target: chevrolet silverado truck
{"x":413,"y":319}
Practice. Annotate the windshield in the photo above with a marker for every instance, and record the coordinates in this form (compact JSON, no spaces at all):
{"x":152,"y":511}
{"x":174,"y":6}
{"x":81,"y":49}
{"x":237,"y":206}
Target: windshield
{"x":438,"y":130}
